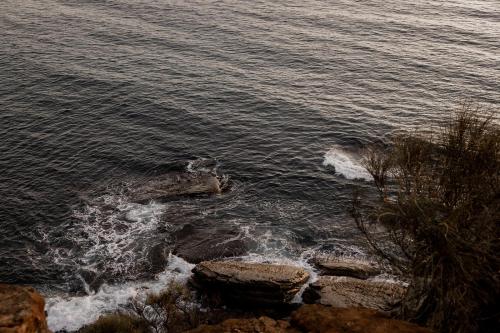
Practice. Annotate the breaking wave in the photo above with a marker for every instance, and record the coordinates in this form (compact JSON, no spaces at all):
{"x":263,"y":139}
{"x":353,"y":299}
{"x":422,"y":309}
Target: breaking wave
{"x":346,"y":164}
{"x":72,"y":313}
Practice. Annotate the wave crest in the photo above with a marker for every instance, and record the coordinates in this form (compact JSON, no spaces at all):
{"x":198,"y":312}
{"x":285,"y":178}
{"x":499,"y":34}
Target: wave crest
{"x":346,"y":164}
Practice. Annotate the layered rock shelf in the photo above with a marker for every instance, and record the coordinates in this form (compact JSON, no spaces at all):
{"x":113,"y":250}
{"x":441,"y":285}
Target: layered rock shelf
{"x":249,"y":283}
{"x":346,"y":292}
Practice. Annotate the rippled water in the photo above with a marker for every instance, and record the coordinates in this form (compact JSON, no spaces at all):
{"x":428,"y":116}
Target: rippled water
{"x":97,"y":94}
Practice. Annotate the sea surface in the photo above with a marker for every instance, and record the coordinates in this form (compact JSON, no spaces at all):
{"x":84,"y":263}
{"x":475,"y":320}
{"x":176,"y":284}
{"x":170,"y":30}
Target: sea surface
{"x":280,"y":95}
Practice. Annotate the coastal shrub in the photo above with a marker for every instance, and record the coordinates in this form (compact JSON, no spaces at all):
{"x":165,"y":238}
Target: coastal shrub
{"x":440,"y":205}
{"x":172,"y":310}
{"x":117,"y":323}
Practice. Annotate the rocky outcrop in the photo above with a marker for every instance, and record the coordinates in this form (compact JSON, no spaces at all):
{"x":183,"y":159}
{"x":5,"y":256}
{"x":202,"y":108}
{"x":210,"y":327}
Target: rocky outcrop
{"x":173,"y":184}
{"x":346,"y":292}
{"x":317,"y":319}
{"x":346,"y":267}
{"x":252,"y":284}
{"x":255,"y":325}
{"x":322,"y":319}
{"x":196,"y":245}
{"x":21,"y":310}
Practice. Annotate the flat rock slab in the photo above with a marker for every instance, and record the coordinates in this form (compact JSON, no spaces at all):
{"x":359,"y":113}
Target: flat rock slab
{"x":22,"y":310}
{"x":322,"y":319}
{"x":174,"y":184}
{"x":339,"y":266}
{"x":249,"y":283}
{"x":346,"y":292}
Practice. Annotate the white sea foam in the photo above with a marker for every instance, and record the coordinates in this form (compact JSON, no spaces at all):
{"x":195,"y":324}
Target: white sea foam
{"x":110,"y":230}
{"x":202,"y":164}
{"x":346,"y":164}
{"x":143,"y":213}
{"x":71,"y":313}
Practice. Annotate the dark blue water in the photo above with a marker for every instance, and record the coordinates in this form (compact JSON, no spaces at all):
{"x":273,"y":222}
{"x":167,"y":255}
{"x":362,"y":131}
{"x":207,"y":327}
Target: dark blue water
{"x":97,"y":94}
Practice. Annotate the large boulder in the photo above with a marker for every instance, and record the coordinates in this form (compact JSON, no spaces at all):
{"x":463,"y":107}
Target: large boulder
{"x":253,"y":325}
{"x":346,"y":292}
{"x":322,"y":319}
{"x":340,"y":266}
{"x":249,"y":284}
{"x":201,"y":244}
{"x":21,"y":310}
{"x":175,"y":183}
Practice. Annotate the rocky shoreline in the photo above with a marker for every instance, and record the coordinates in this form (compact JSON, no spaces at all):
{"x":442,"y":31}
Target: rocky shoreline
{"x":345,"y":297}
{"x":336,"y":303}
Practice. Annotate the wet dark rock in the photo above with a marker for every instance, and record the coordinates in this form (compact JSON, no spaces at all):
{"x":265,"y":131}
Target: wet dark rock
{"x":92,"y":280}
{"x":346,"y":292}
{"x":249,"y":284}
{"x":22,"y":310}
{"x":200,"y":244}
{"x":158,"y":257}
{"x":341,"y":266}
{"x":175,"y":184}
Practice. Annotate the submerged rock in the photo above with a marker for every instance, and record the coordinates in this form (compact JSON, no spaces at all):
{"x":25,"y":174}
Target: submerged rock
{"x":249,"y":283}
{"x":158,"y":257}
{"x":322,"y":319}
{"x":346,"y":267}
{"x":176,"y":183}
{"x":197,"y":245}
{"x":21,"y":310}
{"x":346,"y":292}
{"x":92,"y":280}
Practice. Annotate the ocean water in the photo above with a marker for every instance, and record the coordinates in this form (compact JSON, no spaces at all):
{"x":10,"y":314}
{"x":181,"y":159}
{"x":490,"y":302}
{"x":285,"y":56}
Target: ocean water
{"x":98,"y":95}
